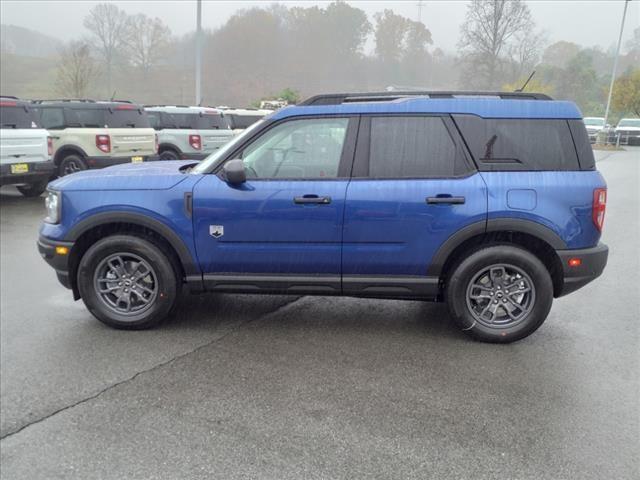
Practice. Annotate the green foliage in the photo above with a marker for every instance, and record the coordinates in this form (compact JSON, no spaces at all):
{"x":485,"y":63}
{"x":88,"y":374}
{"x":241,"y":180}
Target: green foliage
{"x":626,"y":93}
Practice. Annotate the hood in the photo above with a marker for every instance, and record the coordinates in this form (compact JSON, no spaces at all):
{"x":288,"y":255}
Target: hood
{"x":128,"y":176}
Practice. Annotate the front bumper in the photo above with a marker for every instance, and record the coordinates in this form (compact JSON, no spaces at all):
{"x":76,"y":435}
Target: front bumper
{"x":38,"y":171}
{"x":60,"y":263}
{"x":102,"y":162}
{"x":593,"y":260}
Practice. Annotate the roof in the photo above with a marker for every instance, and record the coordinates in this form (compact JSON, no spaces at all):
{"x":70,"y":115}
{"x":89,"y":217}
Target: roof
{"x":486,"y":107}
{"x":181,"y":109}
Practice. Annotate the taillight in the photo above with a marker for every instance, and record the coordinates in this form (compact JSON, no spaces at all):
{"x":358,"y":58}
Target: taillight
{"x":195,"y":142}
{"x":599,"y":206}
{"x":156,"y":144}
{"x":103,"y":142}
{"x":50,"y":146}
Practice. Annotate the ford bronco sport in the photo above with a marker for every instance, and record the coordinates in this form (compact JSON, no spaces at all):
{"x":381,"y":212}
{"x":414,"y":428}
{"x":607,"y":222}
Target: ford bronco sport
{"x":490,"y":202}
{"x":188,"y":132}
{"x":25,"y":148}
{"x":95,"y":134}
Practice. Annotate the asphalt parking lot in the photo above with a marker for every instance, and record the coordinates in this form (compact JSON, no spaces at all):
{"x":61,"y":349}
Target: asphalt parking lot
{"x":312,"y":387}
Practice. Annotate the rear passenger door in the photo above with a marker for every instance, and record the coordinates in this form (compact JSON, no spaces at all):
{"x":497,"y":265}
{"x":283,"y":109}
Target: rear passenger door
{"x":413,"y":187}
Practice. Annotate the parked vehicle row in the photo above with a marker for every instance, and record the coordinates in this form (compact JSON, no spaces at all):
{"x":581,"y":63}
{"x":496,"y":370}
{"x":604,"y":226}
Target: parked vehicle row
{"x":490,"y":202}
{"x":627,"y":132}
{"x":45,"y":139}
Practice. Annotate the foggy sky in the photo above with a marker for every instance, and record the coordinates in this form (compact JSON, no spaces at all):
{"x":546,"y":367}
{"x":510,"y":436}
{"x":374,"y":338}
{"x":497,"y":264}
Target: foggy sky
{"x":587,"y":23}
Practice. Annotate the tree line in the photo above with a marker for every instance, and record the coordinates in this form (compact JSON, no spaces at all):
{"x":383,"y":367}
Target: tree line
{"x":261,"y":51}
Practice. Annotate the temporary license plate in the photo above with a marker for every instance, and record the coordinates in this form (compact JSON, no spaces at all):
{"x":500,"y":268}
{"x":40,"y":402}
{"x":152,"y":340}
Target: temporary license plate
{"x":20,"y":168}
{"x":137,"y":159}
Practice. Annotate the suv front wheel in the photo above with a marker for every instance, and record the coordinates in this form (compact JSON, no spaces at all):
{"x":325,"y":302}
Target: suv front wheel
{"x":500,"y":294}
{"x":127,"y":282}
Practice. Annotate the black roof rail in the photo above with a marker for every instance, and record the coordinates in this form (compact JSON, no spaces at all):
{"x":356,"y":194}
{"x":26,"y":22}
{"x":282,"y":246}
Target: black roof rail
{"x":9,"y":96}
{"x":55,"y":100}
{"x":177,"y":106}
{"x":340,"y":98}
{"x":117,"y":101}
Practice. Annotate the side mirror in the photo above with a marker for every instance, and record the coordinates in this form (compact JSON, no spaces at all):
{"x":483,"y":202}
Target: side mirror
{"x":234,"y":173}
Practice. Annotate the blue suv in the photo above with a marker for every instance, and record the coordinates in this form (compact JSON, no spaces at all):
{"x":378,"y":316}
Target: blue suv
{"x":488,"y":201}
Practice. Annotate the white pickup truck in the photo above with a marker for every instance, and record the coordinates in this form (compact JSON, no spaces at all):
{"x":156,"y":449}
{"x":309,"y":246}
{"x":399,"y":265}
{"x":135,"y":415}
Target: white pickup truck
{"x":25,"y":148}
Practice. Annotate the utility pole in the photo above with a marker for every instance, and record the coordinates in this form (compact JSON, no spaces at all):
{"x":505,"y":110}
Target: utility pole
{"x":615,"y":66}
{"x":420,"y":4}
{"x":199,"y":53}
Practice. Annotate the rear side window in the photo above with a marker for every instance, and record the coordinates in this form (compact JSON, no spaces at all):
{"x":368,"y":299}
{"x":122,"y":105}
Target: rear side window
{"x":519,"y":144}
{"x":119,"y":117}
{"x":583,"y":146}
{"x":90,"y":117}
{"x":418,"y":147}
{"x":17,"y":116}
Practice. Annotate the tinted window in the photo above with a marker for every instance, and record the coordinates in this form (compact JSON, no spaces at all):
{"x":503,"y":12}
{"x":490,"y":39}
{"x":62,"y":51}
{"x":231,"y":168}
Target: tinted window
{"x":90,"y":117}
{"x":583,"y":146}
{"x":52,"y":118}
{"x":18,"y":116}
{"x":242,"y":121}
{"x":211,"y":121}
{"x":410,"y":147}
{"x":154,"y":119}
{"x":126,"y":117}
{"x":519,"y":144}
{"x":297,"y":149}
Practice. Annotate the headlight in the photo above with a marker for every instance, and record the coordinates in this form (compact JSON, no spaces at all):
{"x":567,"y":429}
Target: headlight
{"x":53,"y":204}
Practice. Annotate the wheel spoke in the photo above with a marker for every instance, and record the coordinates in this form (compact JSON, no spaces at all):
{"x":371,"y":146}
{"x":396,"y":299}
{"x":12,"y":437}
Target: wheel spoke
{"x":109,"y":289}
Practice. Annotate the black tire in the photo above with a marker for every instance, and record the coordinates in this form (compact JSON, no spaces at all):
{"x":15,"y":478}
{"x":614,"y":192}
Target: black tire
{"x":71,"y":164}
{"x":521,"y":269}
{"x":32,"y":189}
{"x":163,"y":273}
{"x":169,"y":155}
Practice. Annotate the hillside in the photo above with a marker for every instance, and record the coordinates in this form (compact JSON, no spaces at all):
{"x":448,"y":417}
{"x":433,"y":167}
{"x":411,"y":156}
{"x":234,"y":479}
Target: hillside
{"x":24,"y":42}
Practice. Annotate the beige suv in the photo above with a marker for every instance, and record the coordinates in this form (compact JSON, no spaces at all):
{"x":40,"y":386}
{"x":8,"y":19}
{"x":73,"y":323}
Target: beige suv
{"x":96,"y":134}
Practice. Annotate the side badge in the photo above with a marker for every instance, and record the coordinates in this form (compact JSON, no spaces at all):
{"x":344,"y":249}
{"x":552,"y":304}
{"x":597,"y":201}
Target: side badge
{"x":216,"y":231}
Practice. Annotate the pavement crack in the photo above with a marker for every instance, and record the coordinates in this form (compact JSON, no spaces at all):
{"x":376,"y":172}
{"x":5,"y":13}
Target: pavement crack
{"x":231,"y":330}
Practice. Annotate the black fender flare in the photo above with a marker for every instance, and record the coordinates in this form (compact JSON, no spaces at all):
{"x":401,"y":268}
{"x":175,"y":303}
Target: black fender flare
{"x":57,"y":158}
{"x":517,"y":225}
{"x":186,"y":259}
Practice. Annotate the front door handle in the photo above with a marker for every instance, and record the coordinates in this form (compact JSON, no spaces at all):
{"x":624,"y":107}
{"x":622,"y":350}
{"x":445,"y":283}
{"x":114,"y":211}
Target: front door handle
{"x":445,"y":200}
{"x":312,"y":199}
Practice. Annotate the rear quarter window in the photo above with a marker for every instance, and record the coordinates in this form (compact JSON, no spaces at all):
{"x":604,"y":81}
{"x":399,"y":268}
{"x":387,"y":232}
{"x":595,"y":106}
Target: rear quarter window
{"x":17,"y":116}
{"x":126,"y":118}
{"x":519,"y":144}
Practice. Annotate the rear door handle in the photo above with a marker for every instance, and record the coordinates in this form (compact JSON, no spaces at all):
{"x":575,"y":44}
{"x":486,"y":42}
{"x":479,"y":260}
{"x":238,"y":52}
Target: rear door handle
{"x":445,"y":200}
{"x":312,"y":199}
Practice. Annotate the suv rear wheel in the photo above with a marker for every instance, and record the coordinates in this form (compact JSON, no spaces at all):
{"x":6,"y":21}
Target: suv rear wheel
{"x":71,"y":164}
{"x":500,"y":294}
{"x":127,"y":282}
{"x":169,"y":155}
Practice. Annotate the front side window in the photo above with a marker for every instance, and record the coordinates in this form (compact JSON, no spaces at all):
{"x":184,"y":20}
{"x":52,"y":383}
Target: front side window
{"x":309,"y":148}
{"x":410,"y":147}
{"x":52,"y":118}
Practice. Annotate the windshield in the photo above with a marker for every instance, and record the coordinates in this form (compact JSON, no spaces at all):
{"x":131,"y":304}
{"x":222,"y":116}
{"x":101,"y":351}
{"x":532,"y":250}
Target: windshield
{"x":595,"y":121}
{"x":216,"y":156}
{"x":16,"y":116}
{"x":629,"y":122}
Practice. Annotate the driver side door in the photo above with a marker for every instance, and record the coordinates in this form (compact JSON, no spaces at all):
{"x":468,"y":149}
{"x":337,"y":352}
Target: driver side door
{"x":281,"y":230}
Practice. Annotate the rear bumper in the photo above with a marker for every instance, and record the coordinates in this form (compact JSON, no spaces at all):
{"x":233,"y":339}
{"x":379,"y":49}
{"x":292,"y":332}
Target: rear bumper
{"x":102,"y":162}
{"x":60,"y":263}
{"x":38,"y":171}
{"x":593,"y":260}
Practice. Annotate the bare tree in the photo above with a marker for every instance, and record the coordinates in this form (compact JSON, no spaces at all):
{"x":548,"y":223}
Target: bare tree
{"x":147,"y":41}
{"x":108,"y":25}
{"x":76,"y":70}
{"x":489,"y":29}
